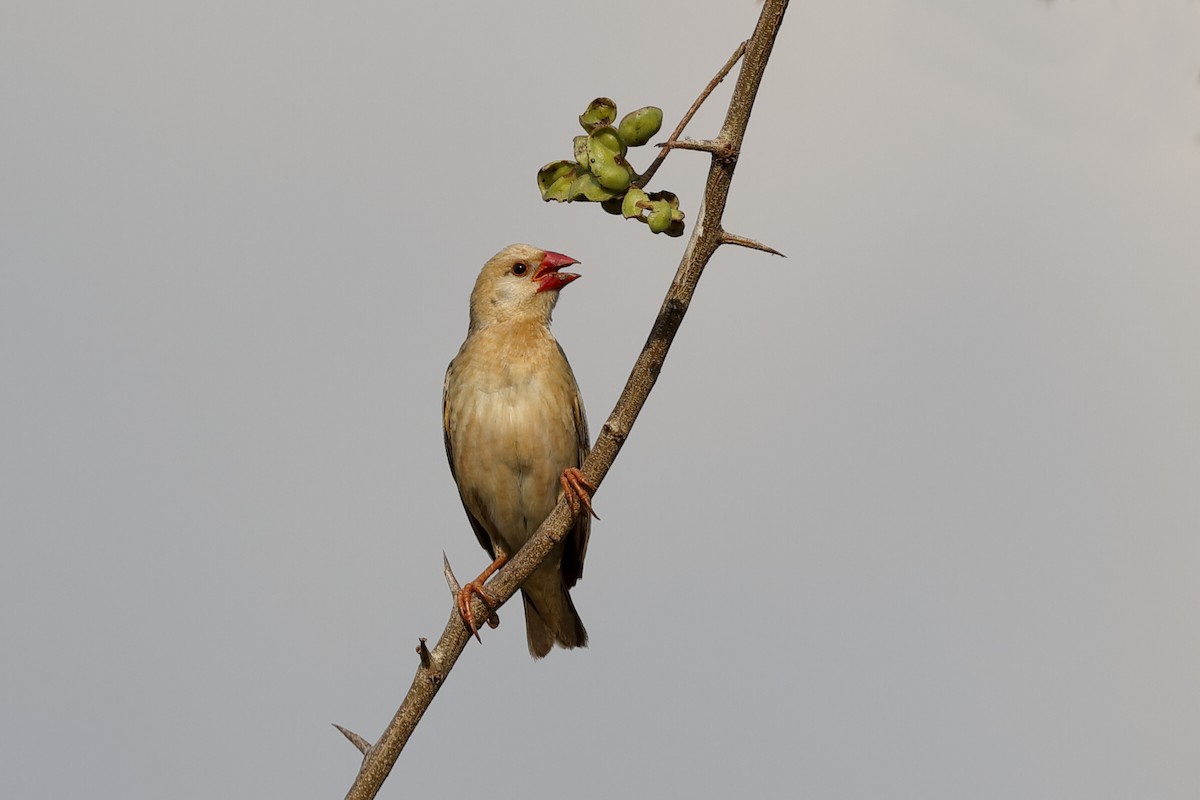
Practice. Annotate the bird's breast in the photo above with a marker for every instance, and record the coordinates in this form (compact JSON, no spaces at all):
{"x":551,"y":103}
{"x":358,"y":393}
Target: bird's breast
{"x":512,"y":417}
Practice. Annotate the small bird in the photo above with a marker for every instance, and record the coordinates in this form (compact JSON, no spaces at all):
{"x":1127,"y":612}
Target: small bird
{"x":516,"y":436}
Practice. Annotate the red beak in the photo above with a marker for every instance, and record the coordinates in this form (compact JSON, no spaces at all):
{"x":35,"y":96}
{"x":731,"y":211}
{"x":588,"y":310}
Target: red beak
{"x":548,"y":278}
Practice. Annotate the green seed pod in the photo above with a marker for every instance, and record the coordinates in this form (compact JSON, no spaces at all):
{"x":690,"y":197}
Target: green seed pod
{"x":607,"y":139}
{"x":675,"y":228}
{"x":586,"y":187}
{"x":638,"y":126}
{"x":581,"y":151}
{"x":670,"y":197}
{"x":660,"y":216}
{"x":629,"y":206}
{"x":554,"y":180}
{"x":601,"y":111}
{"x":612,"y":175}
{"x":605,"y":149}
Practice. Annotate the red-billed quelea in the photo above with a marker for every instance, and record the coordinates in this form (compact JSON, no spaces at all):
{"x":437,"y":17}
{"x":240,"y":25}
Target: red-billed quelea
{"x":516,"y":436}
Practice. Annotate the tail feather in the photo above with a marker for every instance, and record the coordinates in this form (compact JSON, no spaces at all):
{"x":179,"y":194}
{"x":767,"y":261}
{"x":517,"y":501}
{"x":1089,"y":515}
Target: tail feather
{"x":551,"y":619}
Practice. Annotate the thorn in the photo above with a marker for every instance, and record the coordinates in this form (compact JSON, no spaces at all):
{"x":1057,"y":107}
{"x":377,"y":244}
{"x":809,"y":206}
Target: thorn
{"x":426,"y":657}
{"x":449,"y":573}
{"x":719,"y":149}
{"x":362,"y":744}
{"x":456,"y":593}
{"x":742,"y":241}
{"x":705,"y":145}
{"x":435,"y":676}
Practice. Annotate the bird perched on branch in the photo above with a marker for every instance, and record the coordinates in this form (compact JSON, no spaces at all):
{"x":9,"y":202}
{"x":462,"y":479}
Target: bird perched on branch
{"x":516,"y":436}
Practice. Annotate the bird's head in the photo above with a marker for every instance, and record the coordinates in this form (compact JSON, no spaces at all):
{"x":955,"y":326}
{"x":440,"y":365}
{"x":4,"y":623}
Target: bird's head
{"x":520,"y":283}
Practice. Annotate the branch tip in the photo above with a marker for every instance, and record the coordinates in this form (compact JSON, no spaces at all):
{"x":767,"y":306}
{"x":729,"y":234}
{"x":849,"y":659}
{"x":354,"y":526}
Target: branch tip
{"x":362,"y":744}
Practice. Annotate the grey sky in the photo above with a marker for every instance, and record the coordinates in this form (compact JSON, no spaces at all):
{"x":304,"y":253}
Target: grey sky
{"x":913,"y":513}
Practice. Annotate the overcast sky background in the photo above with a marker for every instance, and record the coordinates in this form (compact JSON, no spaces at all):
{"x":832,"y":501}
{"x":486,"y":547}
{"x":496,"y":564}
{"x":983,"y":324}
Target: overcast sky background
{"x":914,"y":513}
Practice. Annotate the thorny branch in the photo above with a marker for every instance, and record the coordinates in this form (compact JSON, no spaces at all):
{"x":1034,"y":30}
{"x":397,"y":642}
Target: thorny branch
{"x":707,"y":236}
{"x":645,"y":177}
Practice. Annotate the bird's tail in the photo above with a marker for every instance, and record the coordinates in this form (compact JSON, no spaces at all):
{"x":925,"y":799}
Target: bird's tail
{"x":550,"y":618}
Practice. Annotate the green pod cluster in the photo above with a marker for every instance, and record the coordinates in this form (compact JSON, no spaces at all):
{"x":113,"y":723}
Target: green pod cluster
{"x":601,"y":172}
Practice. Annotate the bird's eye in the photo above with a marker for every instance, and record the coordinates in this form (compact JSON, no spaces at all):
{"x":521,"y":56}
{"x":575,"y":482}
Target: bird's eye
{"x":519,"y":269}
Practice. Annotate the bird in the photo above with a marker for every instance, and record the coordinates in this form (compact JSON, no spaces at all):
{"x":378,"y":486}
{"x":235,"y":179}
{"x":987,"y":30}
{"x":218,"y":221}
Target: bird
{"x":516,"y":436}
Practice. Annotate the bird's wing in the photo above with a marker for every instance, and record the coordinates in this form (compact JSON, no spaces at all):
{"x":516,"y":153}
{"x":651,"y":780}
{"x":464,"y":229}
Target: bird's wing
{"x":577,"y":540}
{"x":480,"y":532}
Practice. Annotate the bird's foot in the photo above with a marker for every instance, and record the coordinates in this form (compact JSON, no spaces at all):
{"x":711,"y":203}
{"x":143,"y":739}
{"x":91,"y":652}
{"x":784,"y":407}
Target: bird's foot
{"x":578,"y":490}
{"x":475,"y":587}
{"x":464,"y":605}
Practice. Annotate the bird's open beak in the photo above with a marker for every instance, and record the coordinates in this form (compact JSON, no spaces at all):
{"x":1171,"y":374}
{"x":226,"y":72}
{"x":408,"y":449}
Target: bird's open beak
{"x":548,"y":278}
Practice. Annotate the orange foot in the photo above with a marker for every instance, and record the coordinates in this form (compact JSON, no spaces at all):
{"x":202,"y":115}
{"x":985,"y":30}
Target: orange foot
{"x":578,"y":490}
{"x":475,"y":587}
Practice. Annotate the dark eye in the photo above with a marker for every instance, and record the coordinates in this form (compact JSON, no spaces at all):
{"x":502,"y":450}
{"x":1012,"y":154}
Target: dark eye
{"x":519,"y":269}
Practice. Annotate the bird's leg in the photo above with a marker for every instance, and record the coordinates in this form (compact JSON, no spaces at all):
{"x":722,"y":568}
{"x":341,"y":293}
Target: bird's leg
{"x":578,"y":490}
{"x":475,"y":587}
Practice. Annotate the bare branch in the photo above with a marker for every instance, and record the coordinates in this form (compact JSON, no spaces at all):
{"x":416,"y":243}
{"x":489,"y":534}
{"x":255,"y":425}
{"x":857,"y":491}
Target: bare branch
{"x":707,"y":237}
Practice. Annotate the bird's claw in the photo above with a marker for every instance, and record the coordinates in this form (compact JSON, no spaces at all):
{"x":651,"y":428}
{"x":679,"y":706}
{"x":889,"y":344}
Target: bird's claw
{"x":578,"y":490}
{"x":475,"y":587}
{"x":463,"y":601}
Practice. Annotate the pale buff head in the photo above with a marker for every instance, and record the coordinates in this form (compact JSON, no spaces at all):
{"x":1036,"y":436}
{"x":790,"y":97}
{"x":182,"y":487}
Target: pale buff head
{"x":519,"y":284}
